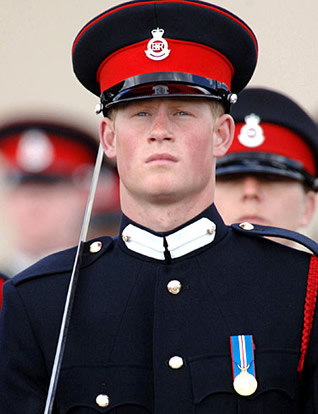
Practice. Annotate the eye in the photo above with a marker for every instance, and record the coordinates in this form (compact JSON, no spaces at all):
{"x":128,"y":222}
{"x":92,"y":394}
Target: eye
{"x":183,"y":113}
{"x":142,"y":113}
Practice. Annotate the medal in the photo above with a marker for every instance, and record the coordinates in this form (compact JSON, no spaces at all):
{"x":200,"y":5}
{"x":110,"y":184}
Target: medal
{"x":242,"y":350}
{"x":244,"y":383}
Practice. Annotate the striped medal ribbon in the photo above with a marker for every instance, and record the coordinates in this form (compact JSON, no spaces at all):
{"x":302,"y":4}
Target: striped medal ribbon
{"x":242,"y":351}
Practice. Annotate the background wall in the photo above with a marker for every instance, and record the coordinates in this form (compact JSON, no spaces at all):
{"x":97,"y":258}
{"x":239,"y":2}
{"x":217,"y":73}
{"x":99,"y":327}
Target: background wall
{"x":36,"y":39}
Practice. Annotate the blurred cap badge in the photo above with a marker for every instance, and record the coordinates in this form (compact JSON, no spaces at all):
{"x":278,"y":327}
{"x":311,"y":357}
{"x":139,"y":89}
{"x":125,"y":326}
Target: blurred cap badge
{"x":157,"y":48}
{"x":251,"y":134}
{"x":35,"y":152}
{"x":242,"y":350}
{"x":160,"y":90}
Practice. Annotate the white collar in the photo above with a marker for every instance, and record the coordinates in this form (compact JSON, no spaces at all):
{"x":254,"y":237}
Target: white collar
{"x":192,"y":237}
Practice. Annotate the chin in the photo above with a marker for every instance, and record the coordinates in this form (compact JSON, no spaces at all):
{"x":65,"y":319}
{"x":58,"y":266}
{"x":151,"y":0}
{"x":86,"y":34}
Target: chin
{"x":161,"y":185}
{"x":163,"y":197}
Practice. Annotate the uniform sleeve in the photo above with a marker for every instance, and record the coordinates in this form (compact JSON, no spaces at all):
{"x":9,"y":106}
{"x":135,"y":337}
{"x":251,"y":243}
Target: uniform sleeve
{"x":23,"y":380}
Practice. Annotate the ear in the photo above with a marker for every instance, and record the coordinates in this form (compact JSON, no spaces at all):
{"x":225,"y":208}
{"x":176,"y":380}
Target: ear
{"x":309,"y":208}
{"x":223,"y":134}
{"x":108,"y":137}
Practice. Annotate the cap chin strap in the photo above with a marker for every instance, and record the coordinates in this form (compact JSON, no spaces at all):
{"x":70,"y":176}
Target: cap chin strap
{"x":166,"y":85}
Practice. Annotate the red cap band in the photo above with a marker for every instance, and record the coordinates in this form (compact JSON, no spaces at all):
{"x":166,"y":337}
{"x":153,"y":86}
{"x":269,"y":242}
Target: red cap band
{"x":280,"y":141}
{"x":56,"y":156}
{"x":184,"y":57}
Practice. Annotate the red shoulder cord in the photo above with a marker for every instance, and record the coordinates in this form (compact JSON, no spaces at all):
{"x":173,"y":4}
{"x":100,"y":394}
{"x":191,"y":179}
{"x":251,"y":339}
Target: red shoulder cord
{"x":310,"y":304}
{"x":1,"y":286}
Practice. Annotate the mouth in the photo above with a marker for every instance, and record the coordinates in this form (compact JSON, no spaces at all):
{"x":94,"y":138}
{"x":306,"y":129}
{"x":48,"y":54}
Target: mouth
{"x":161,"y":158}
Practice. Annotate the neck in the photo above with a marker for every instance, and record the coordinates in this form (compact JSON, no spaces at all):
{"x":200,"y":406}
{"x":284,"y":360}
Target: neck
{"x":163,"y":217}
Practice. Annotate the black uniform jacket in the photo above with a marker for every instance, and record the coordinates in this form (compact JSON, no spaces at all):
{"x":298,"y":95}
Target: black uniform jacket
{"x":126,"y":326}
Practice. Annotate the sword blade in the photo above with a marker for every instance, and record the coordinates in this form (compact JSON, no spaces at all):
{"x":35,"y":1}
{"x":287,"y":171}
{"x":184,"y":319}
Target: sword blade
{"x":72,"y":287}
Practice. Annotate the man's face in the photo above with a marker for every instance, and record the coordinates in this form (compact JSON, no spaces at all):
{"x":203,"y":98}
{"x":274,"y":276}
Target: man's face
{"x":264,"y":199}
{"x":45,"y":217}
{"x":165,"y":149}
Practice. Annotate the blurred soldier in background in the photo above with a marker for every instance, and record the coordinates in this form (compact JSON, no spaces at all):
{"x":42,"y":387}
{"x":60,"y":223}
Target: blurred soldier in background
{"x":269,"y":175}
{"x":47,"y":163}
{"x":106,"y":212}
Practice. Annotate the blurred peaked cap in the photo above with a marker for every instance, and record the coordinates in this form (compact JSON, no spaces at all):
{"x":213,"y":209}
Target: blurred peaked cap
{"x":38,"y":149}
{"x":166,"y":42}
{"x":273,"y":134}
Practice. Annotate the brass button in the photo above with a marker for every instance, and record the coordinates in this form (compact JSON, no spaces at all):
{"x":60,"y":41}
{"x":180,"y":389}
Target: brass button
{"x":247,"y":226}
{"x":175,"y":362}
{"x":174,"y":287}
{"x":125,"y":237}
{"x":102,"y":400}
{"x":95,"y":247}
{"x":212,"y":229}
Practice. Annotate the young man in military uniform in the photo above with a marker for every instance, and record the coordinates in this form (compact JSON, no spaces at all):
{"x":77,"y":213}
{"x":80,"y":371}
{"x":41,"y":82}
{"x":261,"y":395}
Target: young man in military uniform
{"x":169,"y":317}
{"x":269,"y":175}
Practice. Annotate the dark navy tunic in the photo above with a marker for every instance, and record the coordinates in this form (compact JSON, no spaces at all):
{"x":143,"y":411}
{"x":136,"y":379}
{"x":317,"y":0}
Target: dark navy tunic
{"x":126,"y":326}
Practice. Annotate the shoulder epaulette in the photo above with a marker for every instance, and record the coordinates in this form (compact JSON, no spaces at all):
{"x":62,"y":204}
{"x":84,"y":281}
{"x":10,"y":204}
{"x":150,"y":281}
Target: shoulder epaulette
{"x":63,"y":261}
{"x":257,"y":230}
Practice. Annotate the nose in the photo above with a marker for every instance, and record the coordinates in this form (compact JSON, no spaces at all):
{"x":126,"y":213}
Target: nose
{"x":161,"y":127}
{"x":251,"y":188}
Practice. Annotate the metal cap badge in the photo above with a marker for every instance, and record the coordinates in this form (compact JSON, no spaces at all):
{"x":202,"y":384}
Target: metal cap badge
{"x":157,"y":48}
